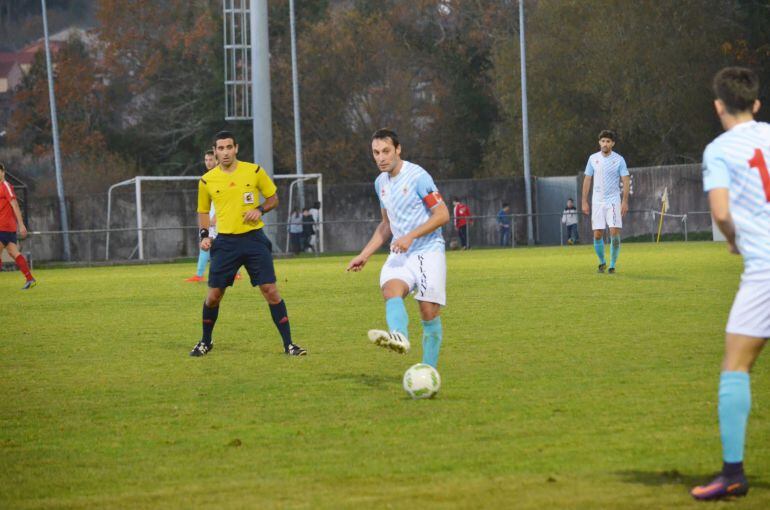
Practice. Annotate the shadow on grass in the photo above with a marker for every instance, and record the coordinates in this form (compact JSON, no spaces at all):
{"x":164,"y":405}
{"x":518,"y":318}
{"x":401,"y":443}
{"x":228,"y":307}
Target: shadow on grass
{"x":372,"y":381}
{"x":674,"y":477}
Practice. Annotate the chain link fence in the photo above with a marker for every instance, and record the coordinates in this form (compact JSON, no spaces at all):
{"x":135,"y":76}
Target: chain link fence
{"x":166,"y":243}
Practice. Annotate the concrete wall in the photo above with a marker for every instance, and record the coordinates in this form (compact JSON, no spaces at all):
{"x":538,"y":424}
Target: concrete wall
{"x":351,"y":212}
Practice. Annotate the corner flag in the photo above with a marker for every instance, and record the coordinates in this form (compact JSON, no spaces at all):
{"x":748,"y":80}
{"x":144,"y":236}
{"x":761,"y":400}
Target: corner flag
{"x":663,"y":210}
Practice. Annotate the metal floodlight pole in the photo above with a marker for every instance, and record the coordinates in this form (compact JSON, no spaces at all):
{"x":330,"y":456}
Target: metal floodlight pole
{"x":525,"y":123}
{"x":295,"y":90}
{"x":260,"y":80}
{"x":261,"y":119}
{"x":55,"y":134}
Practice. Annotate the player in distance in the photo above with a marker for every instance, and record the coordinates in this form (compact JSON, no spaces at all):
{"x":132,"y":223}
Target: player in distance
{"x":606,"y":169}
{"x":210,"y":161}
{"x":10,"y":221}
{"x":735,"y":175}
{"x":413,"y":213}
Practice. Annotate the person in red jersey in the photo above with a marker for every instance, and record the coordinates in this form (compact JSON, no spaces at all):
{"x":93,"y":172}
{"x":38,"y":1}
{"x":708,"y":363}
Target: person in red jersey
{"x":10,"y":221}
{"x":461,"y":213}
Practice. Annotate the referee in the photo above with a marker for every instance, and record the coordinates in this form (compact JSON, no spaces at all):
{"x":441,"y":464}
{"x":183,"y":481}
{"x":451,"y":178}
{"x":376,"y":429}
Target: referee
{"x":234,"y":188}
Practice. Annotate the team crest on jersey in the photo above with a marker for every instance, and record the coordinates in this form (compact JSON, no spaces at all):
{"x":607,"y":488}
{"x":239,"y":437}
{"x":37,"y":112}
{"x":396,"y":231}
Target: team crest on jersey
{"x":248,"y":197}
{"x":405,"y":191}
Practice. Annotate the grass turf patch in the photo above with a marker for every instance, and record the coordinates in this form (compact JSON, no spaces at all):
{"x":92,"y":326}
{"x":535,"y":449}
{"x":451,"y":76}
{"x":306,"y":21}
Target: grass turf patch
{"x":562,"y":388}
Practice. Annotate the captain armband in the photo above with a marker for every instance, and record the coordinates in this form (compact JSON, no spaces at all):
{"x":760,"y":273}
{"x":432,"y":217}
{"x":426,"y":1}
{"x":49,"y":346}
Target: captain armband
{"x":433,"y":199}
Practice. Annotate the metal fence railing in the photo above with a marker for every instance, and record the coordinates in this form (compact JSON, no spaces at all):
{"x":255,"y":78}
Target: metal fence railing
{"x":181,"y":241}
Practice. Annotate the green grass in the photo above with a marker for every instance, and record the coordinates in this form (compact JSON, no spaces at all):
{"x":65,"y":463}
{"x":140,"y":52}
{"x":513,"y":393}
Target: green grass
{"x":562,"y":388}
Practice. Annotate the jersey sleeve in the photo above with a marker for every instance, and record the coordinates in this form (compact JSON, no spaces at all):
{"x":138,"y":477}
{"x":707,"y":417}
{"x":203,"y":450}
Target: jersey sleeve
{"x":204,"y":199}
{"x":265,"y":184}
{"x":623,"y":168}
{"x":427,"y":191}
{"x":589,"y":168}
{"x":715,"y":171}
{"x":377,"y":192}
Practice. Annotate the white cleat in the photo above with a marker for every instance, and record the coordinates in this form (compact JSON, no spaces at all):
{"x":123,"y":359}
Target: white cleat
{"x":394,"y":341}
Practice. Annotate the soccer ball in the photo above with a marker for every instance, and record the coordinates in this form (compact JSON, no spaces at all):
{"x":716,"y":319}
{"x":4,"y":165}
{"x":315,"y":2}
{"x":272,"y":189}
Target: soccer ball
{"x":421,"y":381}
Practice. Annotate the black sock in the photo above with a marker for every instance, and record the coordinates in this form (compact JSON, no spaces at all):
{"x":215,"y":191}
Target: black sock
{"x":281,"y":320}
{"x":209,"y":319}
{"x":731,"y":469}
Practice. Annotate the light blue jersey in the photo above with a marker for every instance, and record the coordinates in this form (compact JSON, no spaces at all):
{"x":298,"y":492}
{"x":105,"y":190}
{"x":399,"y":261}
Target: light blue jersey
{"x":212,"y":226}
{"x":403,"y":197}
{"x":606,"y":172}
{"x":738,"y":160}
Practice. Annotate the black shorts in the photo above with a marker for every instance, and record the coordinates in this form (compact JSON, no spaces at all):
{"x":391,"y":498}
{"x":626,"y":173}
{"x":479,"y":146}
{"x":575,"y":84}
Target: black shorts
{"x":229,"y":252}
{"x":7,"y":238}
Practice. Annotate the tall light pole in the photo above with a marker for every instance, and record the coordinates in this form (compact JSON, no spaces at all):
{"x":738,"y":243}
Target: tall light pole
{"x":295,"y":90}
{"x":525,"y":124}
{"x":262,"y":123}
{"x":55,"y":133}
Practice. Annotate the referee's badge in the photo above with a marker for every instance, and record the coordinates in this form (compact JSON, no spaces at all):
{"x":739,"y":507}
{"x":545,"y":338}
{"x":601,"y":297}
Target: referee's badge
{"x":248,"y":197}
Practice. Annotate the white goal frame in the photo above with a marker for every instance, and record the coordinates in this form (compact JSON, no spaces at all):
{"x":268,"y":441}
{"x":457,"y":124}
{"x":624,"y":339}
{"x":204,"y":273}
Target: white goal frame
{"x":137,"y":182}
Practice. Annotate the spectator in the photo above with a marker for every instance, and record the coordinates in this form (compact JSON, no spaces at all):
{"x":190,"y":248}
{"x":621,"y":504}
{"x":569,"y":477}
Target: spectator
{"x":295,"y":231}
{"x":308,"y":229}
{"x":504,"y":224}
{"x":315,"y":212}
{"x":570,"y":218}
{"x":461,"y":214}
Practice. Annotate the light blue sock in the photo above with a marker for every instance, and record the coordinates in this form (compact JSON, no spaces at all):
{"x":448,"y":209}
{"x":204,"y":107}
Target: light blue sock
{"x":599,"y":249}
{"x":431,"y":341}
{"x":614,"y":249}
{"x":734,"y":406}
{"x":203,"y":259}
{"x":395,"y":314}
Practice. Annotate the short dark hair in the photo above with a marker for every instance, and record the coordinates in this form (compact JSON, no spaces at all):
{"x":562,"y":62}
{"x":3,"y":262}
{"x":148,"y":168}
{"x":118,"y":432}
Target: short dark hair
{"x":506,"y":204}
{"x":385,"y":133}
{"x":224,"y":135}
{"x":607,"y":133}
{"x":210,"y":152}
{"x":570,"y":200}
{"x":2,"y":167}
{"x":737,"y":88}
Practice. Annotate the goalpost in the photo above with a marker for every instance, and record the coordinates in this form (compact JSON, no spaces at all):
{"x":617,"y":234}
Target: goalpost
{"x":295,"y":180}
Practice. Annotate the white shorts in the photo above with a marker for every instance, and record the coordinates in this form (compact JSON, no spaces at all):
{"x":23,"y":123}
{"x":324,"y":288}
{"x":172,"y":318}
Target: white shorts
{"x":750,"y":314}
{"x":606,"y":215}
{"x":424,"y":273}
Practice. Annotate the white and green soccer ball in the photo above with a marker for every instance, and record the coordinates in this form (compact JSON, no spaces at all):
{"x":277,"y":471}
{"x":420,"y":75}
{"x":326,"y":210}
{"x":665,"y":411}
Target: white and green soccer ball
{"x":421,"y":381}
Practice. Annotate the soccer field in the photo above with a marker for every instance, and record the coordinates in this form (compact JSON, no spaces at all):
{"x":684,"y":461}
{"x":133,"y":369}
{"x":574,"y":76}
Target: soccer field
{"x":562,"y":388}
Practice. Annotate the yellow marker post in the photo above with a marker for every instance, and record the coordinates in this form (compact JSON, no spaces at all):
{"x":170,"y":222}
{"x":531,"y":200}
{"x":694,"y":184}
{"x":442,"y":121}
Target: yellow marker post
{"x":663,"y":210}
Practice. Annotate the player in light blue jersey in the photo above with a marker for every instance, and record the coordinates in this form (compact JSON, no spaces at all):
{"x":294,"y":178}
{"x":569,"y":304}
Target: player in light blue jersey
{"x":210,"y":160}
{"x":735,"y":175}
{"x":413,"y":213}
{"x":606,"y":169}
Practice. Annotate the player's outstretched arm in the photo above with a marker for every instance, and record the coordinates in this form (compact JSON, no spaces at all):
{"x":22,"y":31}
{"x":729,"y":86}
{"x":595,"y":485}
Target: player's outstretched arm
{"x":381,"y":234}
{"x":439,"y":216}
{"x":719,"y":201}
{"x":586,"y":188}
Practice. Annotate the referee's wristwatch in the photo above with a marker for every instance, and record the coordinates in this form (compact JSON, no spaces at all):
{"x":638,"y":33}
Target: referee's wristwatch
{"x":204,"y":233}
{"x":261,"y":209}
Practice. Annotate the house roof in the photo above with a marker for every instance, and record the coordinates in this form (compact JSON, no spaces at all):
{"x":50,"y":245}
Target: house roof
{"x":5,"y":68}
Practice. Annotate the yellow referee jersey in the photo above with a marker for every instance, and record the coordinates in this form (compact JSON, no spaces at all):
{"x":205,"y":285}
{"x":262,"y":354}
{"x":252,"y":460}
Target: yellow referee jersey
{"x":233,"y":195}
